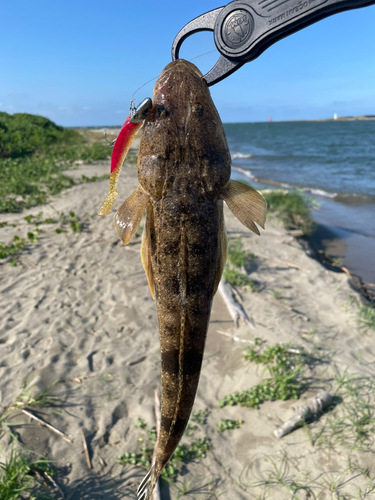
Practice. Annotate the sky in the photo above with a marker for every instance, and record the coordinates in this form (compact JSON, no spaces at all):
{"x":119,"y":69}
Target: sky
{"x":79,"y":62}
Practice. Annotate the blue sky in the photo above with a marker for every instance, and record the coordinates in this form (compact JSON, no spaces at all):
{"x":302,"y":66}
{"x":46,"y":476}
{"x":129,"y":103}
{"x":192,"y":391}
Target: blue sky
{"x":79,"y":62}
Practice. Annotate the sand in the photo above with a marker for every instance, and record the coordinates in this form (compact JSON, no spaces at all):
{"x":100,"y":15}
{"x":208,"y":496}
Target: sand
{"x":78,"y":310}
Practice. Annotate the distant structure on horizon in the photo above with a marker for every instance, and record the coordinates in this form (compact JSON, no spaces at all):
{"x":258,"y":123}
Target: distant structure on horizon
{"x":270,"y":119}
{"x":335,"y":116}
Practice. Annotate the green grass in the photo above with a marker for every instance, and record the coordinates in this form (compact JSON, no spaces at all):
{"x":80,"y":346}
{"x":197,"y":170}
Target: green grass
{"x":275,"y":474}
{"x":28,"y":182}
{"x":285,"y":367}
{"x":366,"y":317}
{"x":272,"y":475}
{"x":15,"y":248}
{"x":20,"y":475}
{"x":352,"y":423}
{"x":236,"y":278}
{"x":27,"y":399}
{"x":34,"y":153}
{"x":195,"y":449}
{"x":234,"y":270}
{"x":292,"y":208}
{"x":94,"y":178}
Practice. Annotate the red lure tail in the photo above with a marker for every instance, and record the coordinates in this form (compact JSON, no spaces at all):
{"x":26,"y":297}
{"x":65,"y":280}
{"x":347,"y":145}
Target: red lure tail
{"x":121,"y":148}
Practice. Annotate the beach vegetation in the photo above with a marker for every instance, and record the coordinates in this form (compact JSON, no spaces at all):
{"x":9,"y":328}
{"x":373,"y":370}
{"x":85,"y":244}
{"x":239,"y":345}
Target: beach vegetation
{"x":18,"y":244}
{"x":200,"y":417}
{"x":75,"y":224}
{"x":22,"y":134}
{"x":21,"y":475}
{"x":12,"y":249}
{"x":228,"y":424}
{"x":234,"y":270}
{"x":366,"y":317}
{"x":238,"y":278}
{"x":352,"y":422}
{"x":293,"y":208}
{"x":286,"y":379}
{"x":185,"y":453}
{"x":277,"y":294}
{"x":197,"y":485}
{"x":274,"y":474}
{"x":28,"y":398}
{"x":35,"y":153}
{"x":94,"y":178}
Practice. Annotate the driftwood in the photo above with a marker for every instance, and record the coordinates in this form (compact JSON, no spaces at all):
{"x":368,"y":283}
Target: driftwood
{"x":87,"y":455}
{"x":235,"y":338}
{"x":55,"y":485}
{"x":132,"y":362}
{"x":49,"y":426}
{"x":234,"y":307}
{"x":286,"y":307}
{"x":156,"y":493}
{"x":289,"y":264}
{"x":311,"y":409}
{"x":277,"y":303}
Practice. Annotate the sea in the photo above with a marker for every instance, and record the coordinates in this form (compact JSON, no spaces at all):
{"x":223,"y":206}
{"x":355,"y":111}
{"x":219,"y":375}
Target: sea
{"x":333,"y":162}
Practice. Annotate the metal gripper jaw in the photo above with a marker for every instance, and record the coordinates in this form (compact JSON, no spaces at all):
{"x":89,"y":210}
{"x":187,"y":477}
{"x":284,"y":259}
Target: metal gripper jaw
{"x":244,"y":29}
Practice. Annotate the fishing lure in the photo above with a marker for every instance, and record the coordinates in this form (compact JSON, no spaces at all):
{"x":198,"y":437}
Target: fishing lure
{"x":121,"y":148}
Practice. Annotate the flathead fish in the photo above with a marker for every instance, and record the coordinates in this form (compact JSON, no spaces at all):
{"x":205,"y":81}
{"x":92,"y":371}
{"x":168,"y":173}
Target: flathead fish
{"x":184,"y":169}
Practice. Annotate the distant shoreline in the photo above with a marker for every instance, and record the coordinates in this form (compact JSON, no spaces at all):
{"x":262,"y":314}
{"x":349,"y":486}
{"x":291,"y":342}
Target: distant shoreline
{"x":359,"y":118}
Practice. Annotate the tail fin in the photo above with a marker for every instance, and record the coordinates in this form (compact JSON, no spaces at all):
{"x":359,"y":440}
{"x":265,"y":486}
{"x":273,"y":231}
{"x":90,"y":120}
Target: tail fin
{"x":147,"y":485}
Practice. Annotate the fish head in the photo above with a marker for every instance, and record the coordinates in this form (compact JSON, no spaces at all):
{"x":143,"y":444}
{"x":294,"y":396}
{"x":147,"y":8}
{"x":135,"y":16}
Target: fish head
{"x":183,"y":132}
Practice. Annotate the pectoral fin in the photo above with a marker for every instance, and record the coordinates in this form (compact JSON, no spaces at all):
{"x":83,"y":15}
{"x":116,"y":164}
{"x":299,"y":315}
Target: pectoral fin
{"x":246,"y":204}
{"x":129,"y":215}
{"x":223,"y":245}
{"x":146,"y":254}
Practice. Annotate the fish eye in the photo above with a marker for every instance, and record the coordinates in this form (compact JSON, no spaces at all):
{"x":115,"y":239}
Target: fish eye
{"x":161,"y":112}
{"x":198,"y":109}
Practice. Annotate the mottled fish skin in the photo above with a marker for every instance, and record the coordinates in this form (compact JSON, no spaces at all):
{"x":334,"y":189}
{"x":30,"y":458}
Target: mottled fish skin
{"x":184,"y":176}
{"x":183,"y":164}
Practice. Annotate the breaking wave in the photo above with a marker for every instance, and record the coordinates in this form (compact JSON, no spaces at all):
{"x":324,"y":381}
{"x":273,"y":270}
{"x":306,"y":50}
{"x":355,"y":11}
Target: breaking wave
{"x":241,"y":155}
{"x":307,"y":189}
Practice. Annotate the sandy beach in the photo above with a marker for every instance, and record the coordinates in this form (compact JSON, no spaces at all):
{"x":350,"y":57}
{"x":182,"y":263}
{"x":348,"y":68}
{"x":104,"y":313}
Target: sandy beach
{"x":77,"y":309}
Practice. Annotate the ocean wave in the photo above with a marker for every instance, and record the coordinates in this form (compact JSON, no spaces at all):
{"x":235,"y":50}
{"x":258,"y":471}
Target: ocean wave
{"x":246,"y":173}
{"x":307,"y":189}
{"x":344,"y":198}
{"x":241,"y":155}
{"x":319,"y":192}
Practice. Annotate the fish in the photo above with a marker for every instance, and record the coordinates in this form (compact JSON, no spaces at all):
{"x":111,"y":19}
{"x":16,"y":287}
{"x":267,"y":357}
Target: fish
{"x":184,"y":168}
